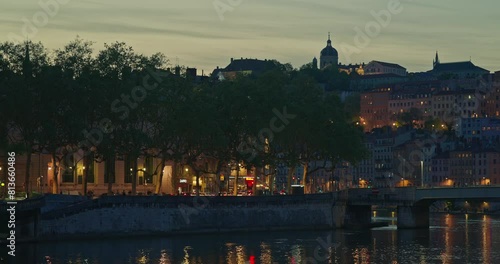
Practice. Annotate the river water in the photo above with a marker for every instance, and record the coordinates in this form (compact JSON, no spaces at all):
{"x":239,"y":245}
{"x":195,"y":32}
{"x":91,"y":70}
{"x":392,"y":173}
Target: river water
{"x":450,"y":239}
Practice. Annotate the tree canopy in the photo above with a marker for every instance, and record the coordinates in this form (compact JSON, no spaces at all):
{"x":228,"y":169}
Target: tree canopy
{"x":118,"y":103}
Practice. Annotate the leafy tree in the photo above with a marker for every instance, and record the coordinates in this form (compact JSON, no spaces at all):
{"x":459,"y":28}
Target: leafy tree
{"x":75,"y":58}
{"x":408,"y":118}
{"x":352,"y":106}
{"x":23,"y":63}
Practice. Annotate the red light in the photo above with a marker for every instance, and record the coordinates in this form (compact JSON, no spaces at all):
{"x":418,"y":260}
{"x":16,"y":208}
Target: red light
{"x":252,"y":259}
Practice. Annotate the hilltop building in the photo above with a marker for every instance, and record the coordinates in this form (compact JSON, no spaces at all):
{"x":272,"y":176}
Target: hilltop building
{"x":463,"y":69}
{"x":379,"y":67}
{"x":329,"y":55}
{"x":242,"y":66}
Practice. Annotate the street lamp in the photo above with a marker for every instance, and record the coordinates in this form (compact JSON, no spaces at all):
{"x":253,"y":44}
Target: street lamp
{"x":404,"y":171}
{"x":422,"y":173}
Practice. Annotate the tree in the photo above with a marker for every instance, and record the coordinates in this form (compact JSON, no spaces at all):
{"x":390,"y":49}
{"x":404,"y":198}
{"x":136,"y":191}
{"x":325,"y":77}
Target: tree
{"x":201,"y":133}
{"x":321,"y":131}
{"x":75,"y":58}
{"x":23,"y":63}
{"x":352,"y":106}
{"x":408,"y":118}
{"x":14,"y":57}
{"x":76,"y":63}
{"x":58,"y":127}
{"x":168,"y":100}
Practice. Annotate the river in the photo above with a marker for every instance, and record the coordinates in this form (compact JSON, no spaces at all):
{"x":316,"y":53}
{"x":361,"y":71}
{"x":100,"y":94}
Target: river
{"x":450,"y":239}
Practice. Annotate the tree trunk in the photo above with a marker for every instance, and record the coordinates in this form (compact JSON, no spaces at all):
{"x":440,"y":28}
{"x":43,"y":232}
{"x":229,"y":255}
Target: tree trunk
{"x":134,"y":175}
{"x":55,"y":168}
{"x":175,"y":177}
{"x":217,"y":178}
{"x":254,"y":187}
{"x":85,"y":175}
{"x":307,"y":186}
{"x":217,"y":183}
{"x":235,"y":186}
{"x":176,"y":173}
{"x":108,"y":172}
{"x":197,"y":183}
{"x":291,"y":172}
{"x":160,"y":177}
{"x":28,"y":171}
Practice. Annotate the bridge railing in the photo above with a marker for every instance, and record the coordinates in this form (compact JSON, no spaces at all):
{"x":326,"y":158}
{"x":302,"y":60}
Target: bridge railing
{"x":380,"y":196}
{"x":470,"y":192}
{"x":71,"y":210}
{"x":25,"y":205}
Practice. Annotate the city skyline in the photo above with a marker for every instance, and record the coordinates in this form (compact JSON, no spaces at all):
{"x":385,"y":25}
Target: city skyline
{"x":208,"y":34}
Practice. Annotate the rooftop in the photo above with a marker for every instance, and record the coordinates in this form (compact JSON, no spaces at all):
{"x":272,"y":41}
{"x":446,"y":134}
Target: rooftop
{"x":457,"y":67}
{"x":392,"y":65}
{"x":381,"y":76}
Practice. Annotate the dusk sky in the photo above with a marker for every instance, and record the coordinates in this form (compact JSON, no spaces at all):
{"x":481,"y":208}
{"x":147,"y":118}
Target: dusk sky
{"x":287,"y":30}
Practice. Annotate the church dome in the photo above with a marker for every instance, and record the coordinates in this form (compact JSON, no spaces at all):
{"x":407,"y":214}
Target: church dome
{"x":329,"y":50}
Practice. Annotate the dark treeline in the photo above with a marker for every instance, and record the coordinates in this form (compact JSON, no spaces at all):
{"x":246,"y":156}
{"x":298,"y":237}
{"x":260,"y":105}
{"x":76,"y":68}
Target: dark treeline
{"x":80,"y":105}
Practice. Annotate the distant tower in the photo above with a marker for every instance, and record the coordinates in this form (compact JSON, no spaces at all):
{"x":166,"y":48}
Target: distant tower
{"x":315,"y":63}
{"x":329,"y":55}
{"x":436,"y":60}
{"x":27,"y":66}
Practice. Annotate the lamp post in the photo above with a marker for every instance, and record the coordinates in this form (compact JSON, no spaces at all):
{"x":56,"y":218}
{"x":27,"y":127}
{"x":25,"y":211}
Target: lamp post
{"x":404,"y":172}
{"x":422,"y":173}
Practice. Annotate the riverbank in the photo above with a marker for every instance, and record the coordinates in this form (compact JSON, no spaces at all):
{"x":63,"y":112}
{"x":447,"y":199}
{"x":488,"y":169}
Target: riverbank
{"x":167,"y":216}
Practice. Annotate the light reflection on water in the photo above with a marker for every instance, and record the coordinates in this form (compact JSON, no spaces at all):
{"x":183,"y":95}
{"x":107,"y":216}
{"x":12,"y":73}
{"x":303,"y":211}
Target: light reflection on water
{"x":451,"y":239}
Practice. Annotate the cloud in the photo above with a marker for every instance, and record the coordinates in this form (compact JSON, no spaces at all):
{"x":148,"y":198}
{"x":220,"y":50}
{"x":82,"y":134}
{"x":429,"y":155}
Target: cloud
{"x":292,"y":30}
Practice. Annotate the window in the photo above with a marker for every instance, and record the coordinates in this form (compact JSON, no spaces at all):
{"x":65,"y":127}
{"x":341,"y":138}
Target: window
{"x":91,"y":174}
{"x":67,"y":168}
{"x":68,"y":175}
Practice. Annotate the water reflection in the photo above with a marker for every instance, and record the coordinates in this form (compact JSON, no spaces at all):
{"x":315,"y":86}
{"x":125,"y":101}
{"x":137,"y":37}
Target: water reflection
{"x":451,"y":239}
{"x":164,"y":257}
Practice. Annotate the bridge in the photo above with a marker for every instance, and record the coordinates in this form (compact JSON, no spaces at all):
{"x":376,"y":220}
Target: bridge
{"x":353,"y":206}
{"x":27,"y":216}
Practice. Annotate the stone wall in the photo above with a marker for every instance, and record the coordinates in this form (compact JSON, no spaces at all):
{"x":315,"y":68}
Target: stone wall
{"x":170,"y":215}
{"x":56,"y":201}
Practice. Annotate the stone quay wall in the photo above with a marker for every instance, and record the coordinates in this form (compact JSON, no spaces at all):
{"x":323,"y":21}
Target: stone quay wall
{"x":163,"y":215}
